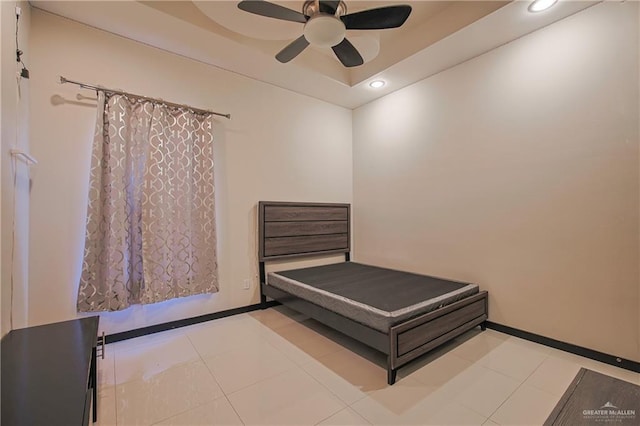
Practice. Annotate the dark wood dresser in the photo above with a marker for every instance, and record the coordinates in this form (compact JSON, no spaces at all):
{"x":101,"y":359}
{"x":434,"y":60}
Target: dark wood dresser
{"x":49,"y":374}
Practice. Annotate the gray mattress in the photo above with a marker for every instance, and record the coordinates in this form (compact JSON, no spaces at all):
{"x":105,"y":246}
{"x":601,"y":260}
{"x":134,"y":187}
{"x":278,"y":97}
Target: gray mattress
{"x":376,"y":297}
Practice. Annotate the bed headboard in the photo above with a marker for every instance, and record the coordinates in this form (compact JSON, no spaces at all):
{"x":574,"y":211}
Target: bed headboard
{"x":302,"y":229}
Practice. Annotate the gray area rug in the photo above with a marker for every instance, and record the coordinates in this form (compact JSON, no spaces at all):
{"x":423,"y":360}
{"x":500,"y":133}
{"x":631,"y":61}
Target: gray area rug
{"x":595,"y":398}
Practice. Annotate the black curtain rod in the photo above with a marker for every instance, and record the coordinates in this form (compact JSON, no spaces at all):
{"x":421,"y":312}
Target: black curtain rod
{"x":104,"y":89}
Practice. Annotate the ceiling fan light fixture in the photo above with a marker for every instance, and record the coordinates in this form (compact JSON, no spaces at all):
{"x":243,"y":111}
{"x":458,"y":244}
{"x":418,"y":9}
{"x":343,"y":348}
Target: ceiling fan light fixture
{"x":324,"y":30}
{"x":377,"y":84}
{"x":326,"y":23}
{"x":540,"y":5}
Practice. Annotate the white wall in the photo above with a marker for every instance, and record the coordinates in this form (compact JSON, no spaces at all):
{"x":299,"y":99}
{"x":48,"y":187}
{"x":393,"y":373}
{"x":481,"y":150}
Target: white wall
{"x":518,"y":170}
{"x":4,"y":312}
{"x":15,"y":198}
{"x":278,"y":146}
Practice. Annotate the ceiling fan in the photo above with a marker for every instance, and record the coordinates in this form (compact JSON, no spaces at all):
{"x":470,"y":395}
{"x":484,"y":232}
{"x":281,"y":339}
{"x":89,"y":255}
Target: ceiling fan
{"x":325,"y":25}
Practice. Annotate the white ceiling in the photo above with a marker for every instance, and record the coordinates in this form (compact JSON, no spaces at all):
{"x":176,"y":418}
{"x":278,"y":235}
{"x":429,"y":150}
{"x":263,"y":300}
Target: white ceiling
{"x":437,"y":36}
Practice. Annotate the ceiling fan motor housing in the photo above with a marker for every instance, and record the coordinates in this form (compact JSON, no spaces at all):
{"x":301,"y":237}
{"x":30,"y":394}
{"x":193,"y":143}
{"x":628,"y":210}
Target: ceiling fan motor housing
{"x":312,"y":7}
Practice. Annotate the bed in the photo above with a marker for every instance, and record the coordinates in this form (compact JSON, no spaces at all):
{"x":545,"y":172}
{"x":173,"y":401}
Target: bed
{"x":401,"y":314}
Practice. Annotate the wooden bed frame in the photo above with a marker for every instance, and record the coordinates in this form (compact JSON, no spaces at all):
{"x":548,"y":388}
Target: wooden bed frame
{"x":293,"y":230}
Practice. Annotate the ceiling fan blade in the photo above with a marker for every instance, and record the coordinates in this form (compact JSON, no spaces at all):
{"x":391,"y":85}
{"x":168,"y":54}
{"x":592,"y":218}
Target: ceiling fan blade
{"x":329,"y":7}
{"x":271,"y":10}
{"x":348,"y":55}
{"x":377,"y":19}
{"x":292,"y":50}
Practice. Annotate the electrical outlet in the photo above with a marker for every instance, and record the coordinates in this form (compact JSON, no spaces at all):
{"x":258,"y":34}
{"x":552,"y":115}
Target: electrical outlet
{"x":246,"y":284}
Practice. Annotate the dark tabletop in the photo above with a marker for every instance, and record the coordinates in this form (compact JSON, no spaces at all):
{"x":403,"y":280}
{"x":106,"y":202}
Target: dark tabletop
{"x":45,"y":371}
{"x":597,"y":399}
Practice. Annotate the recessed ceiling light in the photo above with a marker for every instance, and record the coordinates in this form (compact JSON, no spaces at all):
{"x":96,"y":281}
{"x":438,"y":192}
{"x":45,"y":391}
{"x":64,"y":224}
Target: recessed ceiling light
{"x":376,"y":84}
{"x":540,"y":5}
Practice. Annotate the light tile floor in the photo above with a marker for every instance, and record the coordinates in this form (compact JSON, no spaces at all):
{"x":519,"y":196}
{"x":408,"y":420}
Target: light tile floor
{"x":277,"y":367}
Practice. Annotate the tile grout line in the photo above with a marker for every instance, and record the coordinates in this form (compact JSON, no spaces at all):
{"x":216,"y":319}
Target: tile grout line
{"x":546,"y":391}
{"x":295,"y":365}
{"x":191,"y":408}
{"x":328,"y":417}
{"x":115,"y":389}
{"x":546,"y":356}
{"x":192,"y":361}
{"x":224,"y":394}
{"x":201,"y":359}
{"x":346,"y":405}
{"x":516,"y":389}
{"x":300,"y":366}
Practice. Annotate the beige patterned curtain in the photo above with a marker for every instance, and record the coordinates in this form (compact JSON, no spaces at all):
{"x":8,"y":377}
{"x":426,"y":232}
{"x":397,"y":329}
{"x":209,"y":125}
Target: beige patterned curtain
{"x":151,"y":232}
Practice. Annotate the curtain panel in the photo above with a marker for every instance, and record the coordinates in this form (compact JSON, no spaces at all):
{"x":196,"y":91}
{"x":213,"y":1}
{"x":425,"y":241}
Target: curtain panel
{"x":151,"y":233}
